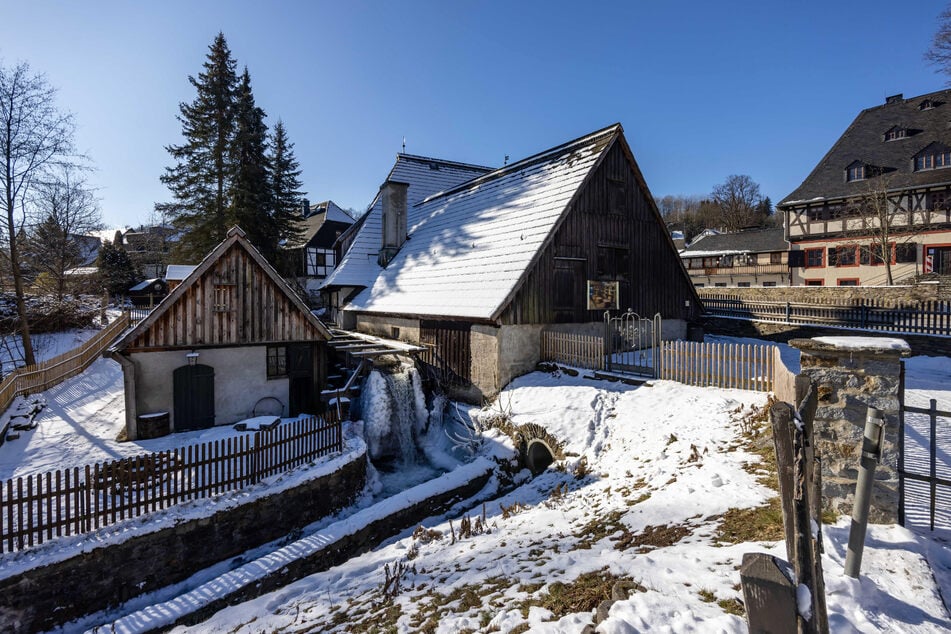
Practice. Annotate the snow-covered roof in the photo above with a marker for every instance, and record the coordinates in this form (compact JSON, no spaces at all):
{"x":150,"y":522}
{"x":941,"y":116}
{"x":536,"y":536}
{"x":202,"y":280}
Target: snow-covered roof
{"x":469,"y":247}
{"x":425,"y":176}
{"x":82,"y":270}
{"x":179,"y":271}
{"x":141,"y":286}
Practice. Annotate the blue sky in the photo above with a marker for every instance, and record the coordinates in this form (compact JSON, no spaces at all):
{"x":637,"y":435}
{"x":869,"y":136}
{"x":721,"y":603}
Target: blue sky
{"x":703,"y":89}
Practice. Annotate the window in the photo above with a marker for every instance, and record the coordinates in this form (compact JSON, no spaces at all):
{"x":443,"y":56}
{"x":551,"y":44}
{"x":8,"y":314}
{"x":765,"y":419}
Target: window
{"x":726,"y":261}
{"x":698,"y":285}
{"x":720,"y":284}
{"x":613,"y":263}
{"x":872,"y":254}
{"x":848,"y":281}
{"x":814,"y":258}
{"x":276,"y":362}
{"x":927,"y":104}
{"x":855,"y":172}
{"x":895,"y":133}
{"x":933,"y":159}
{"x":776,"y":257}
{"x":843,"y":256}
{"x":906,"y":253}
{"x":815,"y":283}
{"x":768,"y":284}
{"x":937,"y":200}
{"x":222,"y":298}
{"x":742,"y":284}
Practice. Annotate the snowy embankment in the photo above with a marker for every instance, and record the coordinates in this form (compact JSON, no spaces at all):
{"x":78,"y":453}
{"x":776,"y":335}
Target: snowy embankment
{"x":658,"y":482}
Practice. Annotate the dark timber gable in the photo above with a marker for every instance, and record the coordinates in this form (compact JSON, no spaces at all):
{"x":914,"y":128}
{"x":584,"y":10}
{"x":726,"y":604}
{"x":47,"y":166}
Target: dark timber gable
{"x":610,"y":231}
{"x":233,"y":298}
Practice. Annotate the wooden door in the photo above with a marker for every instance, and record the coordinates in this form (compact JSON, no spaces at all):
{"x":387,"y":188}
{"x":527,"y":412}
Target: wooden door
{"x":193,"y":397}
{"x":300,"y":374}
{"x":451,"y":349}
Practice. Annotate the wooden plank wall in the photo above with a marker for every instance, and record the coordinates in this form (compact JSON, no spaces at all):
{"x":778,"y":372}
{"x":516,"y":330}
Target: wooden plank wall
{"x":257,"y":310}
{"x":614,"y":211}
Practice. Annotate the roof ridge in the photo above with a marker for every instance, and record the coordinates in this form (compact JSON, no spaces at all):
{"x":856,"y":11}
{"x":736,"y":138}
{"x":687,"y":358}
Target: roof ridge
{"x":430,"y":159}
{"x":534,"y":158}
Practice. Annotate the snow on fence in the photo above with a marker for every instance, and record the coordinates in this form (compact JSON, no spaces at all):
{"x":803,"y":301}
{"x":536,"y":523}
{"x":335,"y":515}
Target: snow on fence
{"x":726,"y":365}
{"x":46,"y":374}
{"x":581,"y":351}
{"x":73,"y":501}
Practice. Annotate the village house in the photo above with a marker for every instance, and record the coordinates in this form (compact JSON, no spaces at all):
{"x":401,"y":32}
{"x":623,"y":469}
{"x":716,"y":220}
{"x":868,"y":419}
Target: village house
{"x":310,"y":255}
{"x":749,"y":258}
{"x":230,"y":336}
{"x":479,"y":269}
{"x":900,"y":150}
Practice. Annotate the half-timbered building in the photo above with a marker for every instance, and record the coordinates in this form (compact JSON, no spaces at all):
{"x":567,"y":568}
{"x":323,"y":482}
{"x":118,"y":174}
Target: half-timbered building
{"x":899,"y":154}
{"x":310,"y":254}
{"x":479,"y":269}
{"x":232,"y":334}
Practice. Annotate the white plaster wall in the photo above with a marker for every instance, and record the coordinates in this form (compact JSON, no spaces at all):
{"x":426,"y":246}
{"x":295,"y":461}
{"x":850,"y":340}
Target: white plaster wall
{"x":240,"y":381}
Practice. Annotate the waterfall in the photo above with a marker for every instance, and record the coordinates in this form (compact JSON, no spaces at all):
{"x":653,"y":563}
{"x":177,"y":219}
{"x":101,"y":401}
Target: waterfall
{"x":394,"y":414}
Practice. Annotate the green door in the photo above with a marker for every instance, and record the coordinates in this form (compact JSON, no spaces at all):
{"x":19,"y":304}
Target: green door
{"x":193,"y":397}
{"x":300,"y":374}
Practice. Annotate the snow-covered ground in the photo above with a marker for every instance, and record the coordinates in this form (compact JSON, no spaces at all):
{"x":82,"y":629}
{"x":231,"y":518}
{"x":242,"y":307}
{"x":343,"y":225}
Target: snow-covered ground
{"x":651,"y":474}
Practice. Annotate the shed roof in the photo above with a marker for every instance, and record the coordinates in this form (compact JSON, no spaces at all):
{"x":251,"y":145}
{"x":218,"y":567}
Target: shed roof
{"x":470,"y":246}
{"x":864,"y":141}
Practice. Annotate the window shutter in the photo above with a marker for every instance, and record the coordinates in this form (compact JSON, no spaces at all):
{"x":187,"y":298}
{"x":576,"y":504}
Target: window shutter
{"x":865,"y":255}
{"x":832,"y":259}
{"x":797,"y":259}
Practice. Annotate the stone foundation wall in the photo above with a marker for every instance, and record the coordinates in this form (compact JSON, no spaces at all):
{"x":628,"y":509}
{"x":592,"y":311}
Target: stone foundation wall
{"x":42,"y":598}
{"x":844,"y":295}
{"x":849,"y":379}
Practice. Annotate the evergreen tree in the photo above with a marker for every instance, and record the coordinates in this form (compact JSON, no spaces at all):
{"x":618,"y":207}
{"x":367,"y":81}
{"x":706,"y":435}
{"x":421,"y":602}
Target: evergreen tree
{"x":251,"y":200}
{"x":116,"y":269}
{"x":200,"y":179}
{"x":286,"y":195}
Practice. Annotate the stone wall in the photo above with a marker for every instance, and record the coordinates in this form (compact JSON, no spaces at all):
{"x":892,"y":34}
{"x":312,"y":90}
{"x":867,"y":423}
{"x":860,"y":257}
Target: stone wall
{"x":42,"y":598}
{"x":844,"y":295}
{"x":851,"y":375}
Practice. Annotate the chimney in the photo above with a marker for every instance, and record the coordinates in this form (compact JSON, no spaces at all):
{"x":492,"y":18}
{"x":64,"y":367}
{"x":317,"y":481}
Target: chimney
{"x":394,"y":220}
{"x":895,"y":98}
{"x":305,"y":208}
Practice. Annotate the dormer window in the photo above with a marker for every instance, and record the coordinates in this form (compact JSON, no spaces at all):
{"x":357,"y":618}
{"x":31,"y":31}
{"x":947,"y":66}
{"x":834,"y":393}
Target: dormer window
{"x":896,"y":133}
{"x":935,"y":156}
{"x":927,"y":104}
{"x":855,"y":172}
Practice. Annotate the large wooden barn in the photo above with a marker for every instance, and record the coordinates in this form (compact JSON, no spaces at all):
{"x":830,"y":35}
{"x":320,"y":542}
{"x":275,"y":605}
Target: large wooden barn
{"x":479,"y":269}
{"x":230,"y":336}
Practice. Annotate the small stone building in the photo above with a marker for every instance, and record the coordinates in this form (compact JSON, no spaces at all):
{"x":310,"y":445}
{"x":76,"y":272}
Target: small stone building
{"x":230,"y":336}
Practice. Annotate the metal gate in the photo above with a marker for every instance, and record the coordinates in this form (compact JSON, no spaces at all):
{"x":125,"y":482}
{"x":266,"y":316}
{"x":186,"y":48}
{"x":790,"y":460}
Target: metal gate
{"x":633,"y":343}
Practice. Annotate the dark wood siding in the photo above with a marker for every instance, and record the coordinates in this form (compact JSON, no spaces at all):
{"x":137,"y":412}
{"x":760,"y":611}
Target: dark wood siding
{"x":234,"y":302}
{"x":451,"y":348}
{"x":614,"y":214}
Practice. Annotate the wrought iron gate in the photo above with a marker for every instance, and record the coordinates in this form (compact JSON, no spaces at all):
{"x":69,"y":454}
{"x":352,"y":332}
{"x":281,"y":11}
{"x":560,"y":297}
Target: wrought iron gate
{"x":633,"y":343}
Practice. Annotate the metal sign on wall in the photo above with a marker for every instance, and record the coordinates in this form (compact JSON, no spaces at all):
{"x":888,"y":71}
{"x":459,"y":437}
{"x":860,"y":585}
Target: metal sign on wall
{"x":602,"y":295}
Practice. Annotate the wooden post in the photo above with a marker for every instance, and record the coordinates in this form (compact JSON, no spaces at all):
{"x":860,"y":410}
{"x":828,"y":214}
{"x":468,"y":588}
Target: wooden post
{"x":769,"y":594}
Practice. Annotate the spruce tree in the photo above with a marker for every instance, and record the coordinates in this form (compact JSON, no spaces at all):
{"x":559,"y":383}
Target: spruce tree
{"x":286,"y":195}
{"x":116,"y":269}
{"x":251,"y":186}
{"x":200,"y":179}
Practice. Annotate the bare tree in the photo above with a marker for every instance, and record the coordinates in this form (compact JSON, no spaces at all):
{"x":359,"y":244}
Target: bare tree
{"x":939,"y":53}
{"x":34,"y":137}
{"x":883,"y":224}
{"x":739,"y":201}
{"x":65,"y":211}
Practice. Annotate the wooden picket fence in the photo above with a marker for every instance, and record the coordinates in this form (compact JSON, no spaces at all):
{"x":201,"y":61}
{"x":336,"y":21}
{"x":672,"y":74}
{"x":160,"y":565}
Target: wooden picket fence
{"x":46,"y":374}
{"x":581,"y":351}
{"x":38,"y":508}
{"x":726,"y":365}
